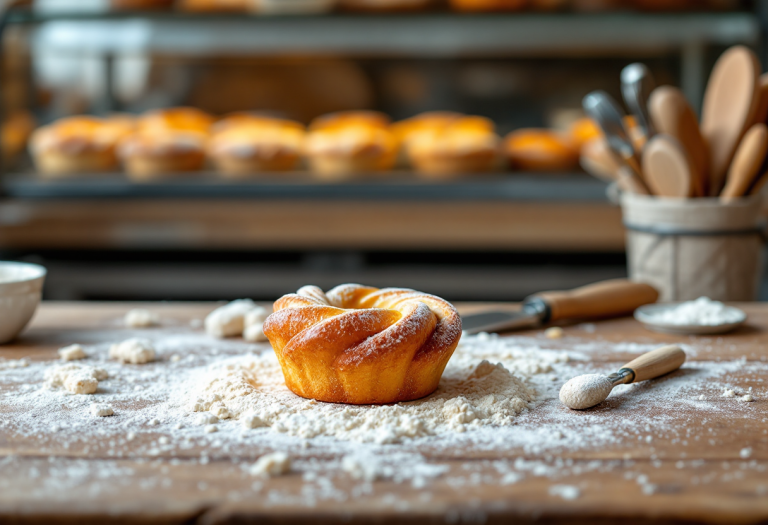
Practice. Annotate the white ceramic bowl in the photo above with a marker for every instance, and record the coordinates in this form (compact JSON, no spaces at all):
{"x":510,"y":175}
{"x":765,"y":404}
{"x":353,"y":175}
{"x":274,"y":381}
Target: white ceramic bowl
{"x":21,"y":286}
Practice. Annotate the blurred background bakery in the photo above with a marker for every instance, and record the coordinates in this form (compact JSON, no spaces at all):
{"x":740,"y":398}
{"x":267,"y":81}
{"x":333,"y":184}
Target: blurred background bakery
{"x":214,"y":149}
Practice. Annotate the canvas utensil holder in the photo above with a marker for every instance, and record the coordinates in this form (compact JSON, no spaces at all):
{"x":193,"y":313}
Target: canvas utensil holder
{"x":688,"y":248}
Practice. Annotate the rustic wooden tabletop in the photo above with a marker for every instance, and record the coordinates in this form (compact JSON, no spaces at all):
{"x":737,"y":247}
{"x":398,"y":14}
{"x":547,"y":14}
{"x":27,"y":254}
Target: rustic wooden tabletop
{"x":674,"y":450}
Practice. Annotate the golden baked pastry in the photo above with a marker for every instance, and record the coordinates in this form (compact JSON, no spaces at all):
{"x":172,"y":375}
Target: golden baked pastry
{"x":343,"y":144}
{"x":175,"y":119}
{"x":361,"y":345}
{"x":166,"y":141}
{"x":213,"y":6}
{"x":243,"y":144}
{"x":79,"y":144}
{"x":407,"y":128}
{"x":385,"y":5}
{"x":343,"y":119}
{"x":489,"y":5}
{"x":120,"y":5}
{"x":583,"y":131}
{"x":451,"y":146}
{"x":540,"y":150}
{"x":16,"y":130}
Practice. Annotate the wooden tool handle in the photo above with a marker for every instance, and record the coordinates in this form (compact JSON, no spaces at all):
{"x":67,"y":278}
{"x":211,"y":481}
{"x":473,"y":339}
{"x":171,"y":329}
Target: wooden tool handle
{"x":605,"y":299}
{"x":656,"y":363}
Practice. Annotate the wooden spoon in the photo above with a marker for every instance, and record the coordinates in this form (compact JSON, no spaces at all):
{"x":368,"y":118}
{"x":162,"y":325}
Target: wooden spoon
{"x":747,"y":162}
{"x":672,"y":115}
{"x":666,"y":168}
{"x":730,"y":102}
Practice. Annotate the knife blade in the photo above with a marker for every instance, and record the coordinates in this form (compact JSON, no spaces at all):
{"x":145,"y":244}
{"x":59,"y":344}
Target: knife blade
{"x":612,"y":298}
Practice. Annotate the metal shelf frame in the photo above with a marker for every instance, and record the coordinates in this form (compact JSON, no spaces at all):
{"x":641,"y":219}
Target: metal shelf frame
{"x":512,"y":187}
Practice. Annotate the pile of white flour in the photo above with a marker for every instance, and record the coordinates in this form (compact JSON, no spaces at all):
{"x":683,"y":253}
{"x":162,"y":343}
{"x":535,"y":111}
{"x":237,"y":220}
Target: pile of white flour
{"x":473,"y":393}
{"x":703,"y":312}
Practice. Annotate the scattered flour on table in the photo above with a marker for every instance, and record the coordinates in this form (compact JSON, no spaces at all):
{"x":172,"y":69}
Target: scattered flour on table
{"x":703,"y":311}
{"x":568,"y":492}
{"x":153,"y":418}
{"x":473,"y":393}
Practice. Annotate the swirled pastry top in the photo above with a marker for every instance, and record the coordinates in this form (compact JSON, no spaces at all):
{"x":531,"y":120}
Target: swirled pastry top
{"x":362,"y":345}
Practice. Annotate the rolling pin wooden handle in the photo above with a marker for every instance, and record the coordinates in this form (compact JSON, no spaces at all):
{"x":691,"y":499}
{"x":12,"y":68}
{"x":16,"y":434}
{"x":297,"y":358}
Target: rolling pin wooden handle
{"x":605,"y":299}
{"x":656,"y":363}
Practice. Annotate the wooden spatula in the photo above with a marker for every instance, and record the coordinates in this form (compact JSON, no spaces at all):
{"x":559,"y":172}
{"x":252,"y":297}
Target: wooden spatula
{"x":672,"y":115}
{"x":747,"y":162}
{"x":730,"y":102}
{"x":666,"y":168}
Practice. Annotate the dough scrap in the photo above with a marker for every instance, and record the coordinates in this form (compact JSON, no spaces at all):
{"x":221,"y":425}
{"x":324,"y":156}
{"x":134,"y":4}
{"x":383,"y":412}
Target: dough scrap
{"x":229,"y":320}
{"x":75,"y":379}
{"x":72,"y":353}
{"x":141,"y":318}
{"x":134,"y":351}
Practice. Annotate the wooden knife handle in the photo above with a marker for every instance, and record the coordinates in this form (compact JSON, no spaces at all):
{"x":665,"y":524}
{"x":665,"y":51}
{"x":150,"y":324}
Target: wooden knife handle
{"x":657,"y":362}
{"x":612,"y":298}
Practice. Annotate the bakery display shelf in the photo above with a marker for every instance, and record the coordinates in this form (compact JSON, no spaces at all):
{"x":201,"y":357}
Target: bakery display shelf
{"x":422,"y":34}
{"x":576,"y":187}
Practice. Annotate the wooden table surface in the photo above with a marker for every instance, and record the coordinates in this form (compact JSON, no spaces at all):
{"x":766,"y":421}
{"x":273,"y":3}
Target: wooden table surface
{"x":687,"y":466}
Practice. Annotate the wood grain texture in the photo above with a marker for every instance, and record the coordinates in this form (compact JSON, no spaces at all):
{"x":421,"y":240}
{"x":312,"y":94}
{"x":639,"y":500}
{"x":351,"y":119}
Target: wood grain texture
{"x":705,"y":481}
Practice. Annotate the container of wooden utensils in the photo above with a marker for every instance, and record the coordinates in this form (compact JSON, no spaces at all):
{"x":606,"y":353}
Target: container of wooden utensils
{"x":690,"y":194}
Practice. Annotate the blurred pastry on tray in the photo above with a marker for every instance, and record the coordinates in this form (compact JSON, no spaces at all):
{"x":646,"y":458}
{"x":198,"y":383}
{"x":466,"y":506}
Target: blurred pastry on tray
{"x":16,"y":129}
{"x":341,"y":145}
{"x":584,"y":130}
{"x":78,"y":145}
{"x":444,"y":145}
{"x":385,"y":5}
{"x":214,"y":6}
{"x":292,"y":7}
{"x":167,"y":141}
{"x":489,"y":5}
{"x":121,"y":5}
{"x":534,"y":149}
{"x":244,"y":144}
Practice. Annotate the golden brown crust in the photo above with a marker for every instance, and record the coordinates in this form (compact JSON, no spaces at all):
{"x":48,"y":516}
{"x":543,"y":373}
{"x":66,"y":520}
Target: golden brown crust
{"x":213,"y":6}
{"x":175,"y":119}
{"x":350,"y":143}
{"x":489,"y":5}
{"x":541,"y":150}
{"x":141,"y":4}
{"x":244,"y":144}
{"x":165,"y":142}
{"x":385,"y":6}
{"x":443,"y":146}
{"x":344,"y":119}
{"x":79,"y":144}
{"x":361,"y":345}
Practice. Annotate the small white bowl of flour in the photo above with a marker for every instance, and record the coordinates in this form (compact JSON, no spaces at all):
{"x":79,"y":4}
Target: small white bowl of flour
{"x":702,"y":316}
